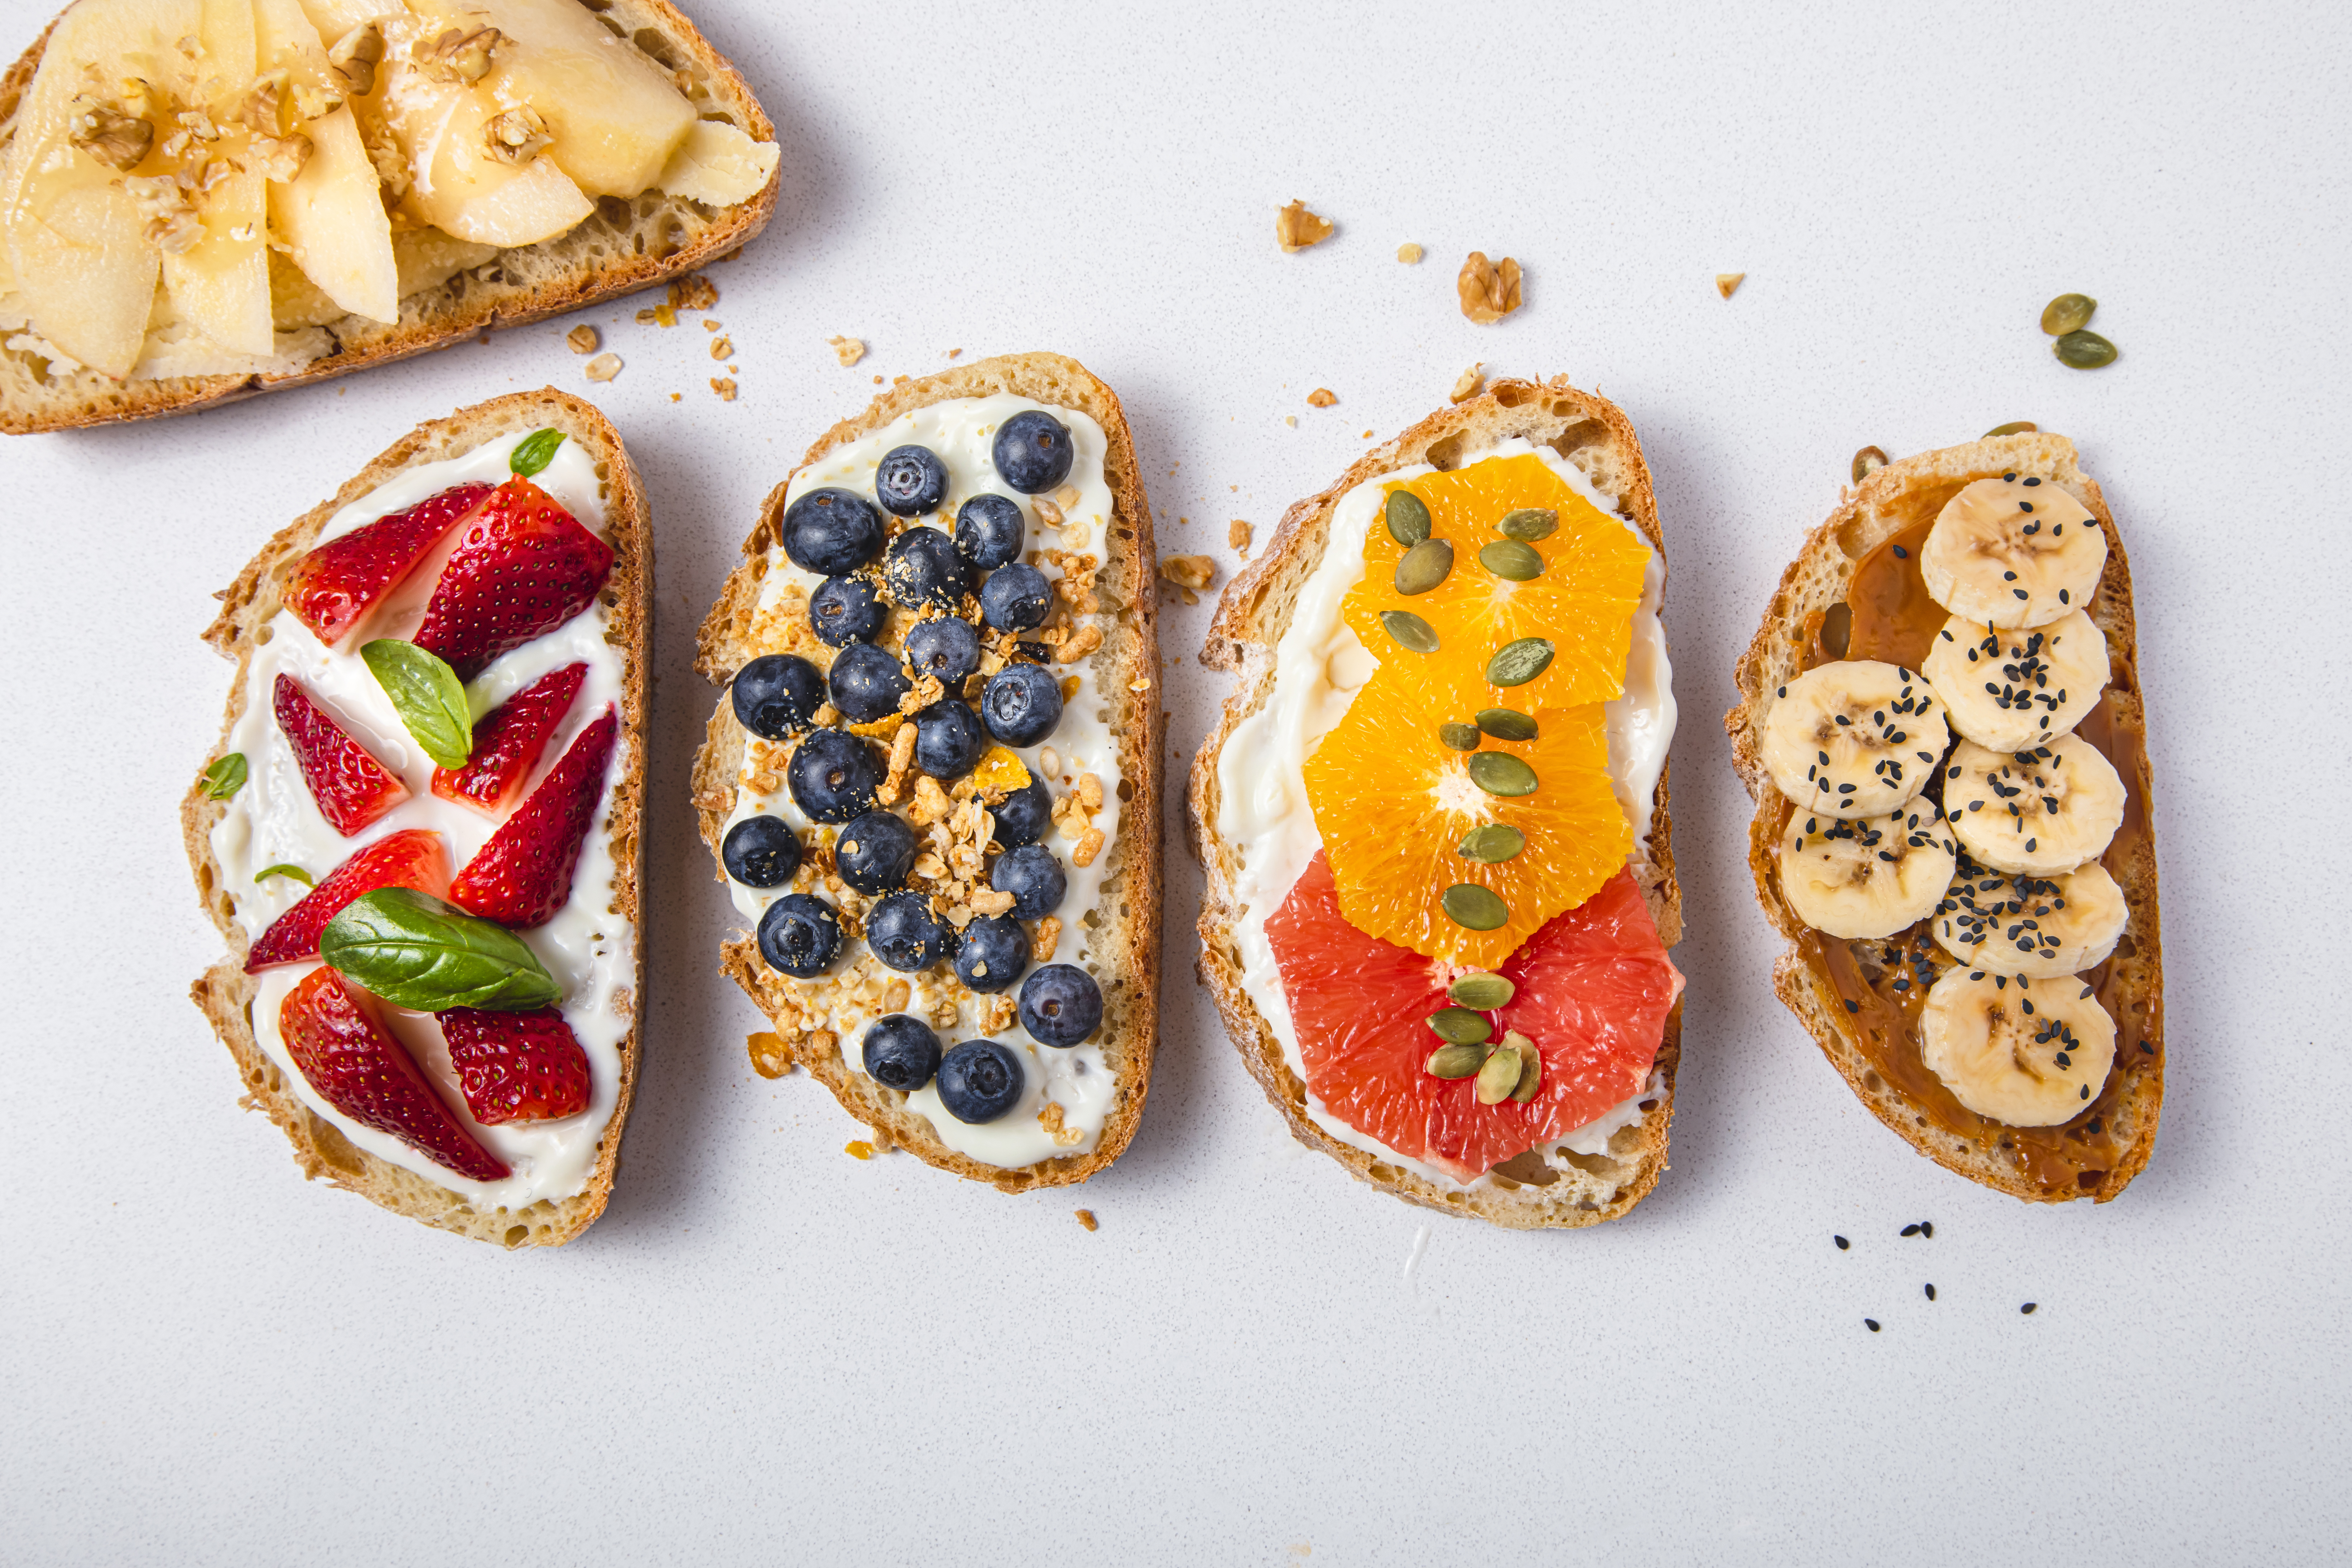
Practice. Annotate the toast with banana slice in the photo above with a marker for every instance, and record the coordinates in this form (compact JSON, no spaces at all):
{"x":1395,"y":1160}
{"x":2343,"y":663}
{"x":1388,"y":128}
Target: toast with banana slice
{"x":1940,"y":721}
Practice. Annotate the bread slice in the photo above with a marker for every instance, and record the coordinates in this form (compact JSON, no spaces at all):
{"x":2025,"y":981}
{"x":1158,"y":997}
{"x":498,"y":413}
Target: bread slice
{"x":1125,"y":945}
{"x":1898,"y":495}
{"x":225,"y":992}
{"x":1593,"y":434}
{"x":624,"y":246}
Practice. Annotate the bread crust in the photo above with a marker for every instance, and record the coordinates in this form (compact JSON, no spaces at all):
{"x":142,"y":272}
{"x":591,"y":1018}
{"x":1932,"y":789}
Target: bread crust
{"x":1130,"y":936}
{"x":1592,"y":433}
{"x":488,"y":298}
{"x":1889,"y":499}
{"x":225,"y":993}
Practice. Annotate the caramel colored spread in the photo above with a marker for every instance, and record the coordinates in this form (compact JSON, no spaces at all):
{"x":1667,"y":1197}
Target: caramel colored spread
{"x":1883,"y":981}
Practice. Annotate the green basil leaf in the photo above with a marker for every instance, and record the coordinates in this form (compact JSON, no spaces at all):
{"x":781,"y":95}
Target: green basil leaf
{"x":292,"y":873}
{"x":226,"y":776}
{"x":414,"y":951}
{"x":534,"y":452}
{"x":428,"y":696}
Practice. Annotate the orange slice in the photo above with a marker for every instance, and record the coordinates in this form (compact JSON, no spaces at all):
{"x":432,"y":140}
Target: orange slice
{"x":1393,"y":804}
{"x":1582,"y":602}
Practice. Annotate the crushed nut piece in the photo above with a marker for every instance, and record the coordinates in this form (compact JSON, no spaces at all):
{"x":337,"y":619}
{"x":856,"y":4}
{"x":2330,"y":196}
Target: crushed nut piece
{"x":356,"y":56}
{"x":1467,"y":384}
{"x":1321,"y":397}
{"x":722,"y":348}
{"x":693,"y":292}
{"x":604,"y":367}
{"x":1086,"y":1217}
{"x":1727,"y":282}
{"x":456,"y":57}
{"x":1489,"y":289}
{"x":1050,"y":1118}
{"x":582,"y":339}
{"x":1295,"y":228}
{"x":1410,"y":254}
{"x":515,"y":136}
{"x":115,"y":139}
{"x":1237,"y":534}
{"x":724,"y":387}
{"x":1188,"y":571}
{"x":1077,"y":645}
{"x":849,"y":351}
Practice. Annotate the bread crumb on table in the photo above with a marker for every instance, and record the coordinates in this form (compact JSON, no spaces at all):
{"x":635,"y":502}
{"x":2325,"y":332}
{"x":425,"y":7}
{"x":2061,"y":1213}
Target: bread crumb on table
{"x":1489,"y":289}
{"x":1321,"y":397}
{"x":709,"y":324}
{"x":1725,"y":282}
{"x":1295,"y":228}
{"x":1410,"y":255}
{"x":724,"y":387}
{"x":604,"y":367}
{"x":582,"y":339}
{"x":849,"y":351}
{"x":1467,"y":384}
{"x":1087,"y":1218}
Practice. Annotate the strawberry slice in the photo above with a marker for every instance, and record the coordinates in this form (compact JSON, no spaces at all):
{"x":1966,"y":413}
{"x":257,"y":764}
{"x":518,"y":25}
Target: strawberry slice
{"x":331,"y":589}
{"x":332,"y":1031}
{"x":353,"y":788}
{"x":413,"y":857}
{"x":517,"y":1067}
{"x":523,"y":875}
{"x":522,"y":568}
{"x":508,"y":741}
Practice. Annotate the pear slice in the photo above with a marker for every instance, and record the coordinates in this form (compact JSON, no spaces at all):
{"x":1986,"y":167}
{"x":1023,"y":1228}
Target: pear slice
{"x":719,"y":164}
{"x":331,"y":213}
{"x":220,"y":283}
{"x":443,"y":128}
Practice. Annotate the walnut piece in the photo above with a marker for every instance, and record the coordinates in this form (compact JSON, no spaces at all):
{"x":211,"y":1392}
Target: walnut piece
{"x":278,"y":158}
{"x":515,"y":136}
{"x":1188,"y":571}
{"x":1295,"y":228}
{"x":1466,"y":386}
{"x":1321,"y":397}
{"x":604,"y":367}
{"x":848,"y":350}
{"x":115,"y":139}
{"x":458,"y":57}
{"x":1489,"y":289}
{"x":356,"y":55}
{"x":582,"y":339}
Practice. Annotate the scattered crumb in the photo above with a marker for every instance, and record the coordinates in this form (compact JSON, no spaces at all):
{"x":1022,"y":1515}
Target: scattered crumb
{"x":722,"y":348}
{"x":848,"y":350}
{"x":724,"y":387}
{"x":1235,"y":489}
{"x":1087,"y":1218}
{"x":709,"y":324}
{"x":1410,"y":255}
{"x":1489,"y":289}
{"x":955,"y":353}
{"x":877,"y":381}
{"x":1367,"y":435}
{"x":483,"y":336}
{"x":604,"y":367}
{"x":1321,"y":397}
{"x":1237,"y":534}
{"x":660,"y":315}
{"x":858,"y":1149}
{"x":1188,"y":571}
{"x":1291,"y":420}
{"x":1467,"y":384}
{"x":677,"y":396}
{"x":582,"y":339}
{"x":1295,"y":228}
{"x":769,"y":1058}
{"x":693,"y":292}
{"x":1725,"y":283}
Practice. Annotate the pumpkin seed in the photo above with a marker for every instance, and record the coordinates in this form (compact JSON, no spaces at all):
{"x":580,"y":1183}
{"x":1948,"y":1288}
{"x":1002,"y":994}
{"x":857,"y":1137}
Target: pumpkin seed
{"x":1410,"y":630}
{"x":1529,"y":522}
{"x":1530,"y":1065}
{"x":1492,"y":844}
{"x":1499,"y":1077}
{"x":1459,"y":1026}
{"x":1866,"y":462}
{"x":1459,"y":736}
{"x":1424,"y":567}
{"x":1509,"y":558}
{"x":2068,"y":313}
{"x":2084,"y":351}
{"x":1516,"y":663}
{"x":2014,"y":428}
{"x":1499,"y":772}
{"x":1456,"y":1061}
{"x":1506,"y":723}
{"x":1408,"y":518}
{"x":1473,"y":908}
{"x":1482,"y":991}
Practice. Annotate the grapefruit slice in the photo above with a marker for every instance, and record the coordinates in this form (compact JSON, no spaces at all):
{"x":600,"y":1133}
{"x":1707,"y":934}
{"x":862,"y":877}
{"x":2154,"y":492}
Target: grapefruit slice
{"x":1594,"y":989}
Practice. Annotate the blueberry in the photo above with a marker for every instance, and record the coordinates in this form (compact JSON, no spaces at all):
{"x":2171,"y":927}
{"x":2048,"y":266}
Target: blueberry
{"x":847,"y":610}
{"x":948,"y":649}
{"x":989,"y":531}
{"x":923,"y":568}
{"x":831,"y":531}
{"x":833,"y":775}
{"x":1015,"y":598}
{"x":1021,"y":704}
{"x":1035,"y":877}
{"x":980,"y":1080}
{"x":1061,"y":1004}
{"x":777,"y":695}
{"x":948,"y":740}
{"x":761,"y":852}
{"x":1033,"y":451}
{"x":800,"y":935}
{"x":910,"y":482}
{"x":875,"y":853}
{"x":994,"y":953}
{"x":902,"y":1052}
{"x":1023,"y":816}
{"x":905,"y":934}
{"x":867,"y":682}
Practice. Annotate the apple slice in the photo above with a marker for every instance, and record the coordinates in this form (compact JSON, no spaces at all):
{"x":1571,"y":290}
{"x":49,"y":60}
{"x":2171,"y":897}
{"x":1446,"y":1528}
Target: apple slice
{"x":719,"y":164}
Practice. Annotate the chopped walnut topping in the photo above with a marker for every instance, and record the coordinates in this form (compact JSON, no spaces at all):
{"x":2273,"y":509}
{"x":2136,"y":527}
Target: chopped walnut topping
{"x":1489,"y":289}
{"x":115,"y":139}
{"x":604,"y":367}
{"x":515,"y":136}
{"x":278,"y":158}
{"x":724,"y":387}
{"x":1295,"y":228}
{"x":582,"y":339}
{"x":458,"y":57}
{"x":1188,"y":571}
{"x":1725,"y":282}
{"x":356,"y":56}
{"x":1237,"y":534}
{"x":1077,"y":645}
{"x":1467,"y":384}
{"x":164,"y":200}
{"x":1321,"y":397}
{"x":1410,"y":254}
{"x":848,"y":350}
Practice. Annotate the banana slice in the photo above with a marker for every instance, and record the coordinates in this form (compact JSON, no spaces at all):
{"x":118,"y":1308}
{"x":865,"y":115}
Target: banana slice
{"x":1856,"y":738}
{"x":2013,"y":552}
{"x":2025,"y":1052}
{"x":1870,"y":875}
{"x":2011,"y":689}
{"x":2040,"y":926}
{"x":2039,"y":812}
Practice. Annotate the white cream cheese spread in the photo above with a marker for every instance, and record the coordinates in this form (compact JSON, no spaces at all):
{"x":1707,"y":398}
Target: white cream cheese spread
{"x":588,"y":947}
{"x":1319,"y":666}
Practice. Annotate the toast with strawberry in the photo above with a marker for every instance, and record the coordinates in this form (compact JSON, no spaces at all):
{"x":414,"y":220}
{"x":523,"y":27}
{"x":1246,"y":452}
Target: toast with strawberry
{"x":419,"y":834}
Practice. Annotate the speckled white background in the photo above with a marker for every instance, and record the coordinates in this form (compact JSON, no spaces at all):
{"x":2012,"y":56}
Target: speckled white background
{"x":767,"y":1351}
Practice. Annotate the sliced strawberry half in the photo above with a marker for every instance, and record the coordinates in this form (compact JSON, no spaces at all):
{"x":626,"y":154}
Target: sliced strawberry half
{"x":332,"y":1031}
{"x":508,"y":741}
{"x":517,"y":1067}
{"x":353,"y":788}
{"x":331,"y":589}
{"x":522,"y":568}
{"x":413,"y":857}
{"x":523,"y":875}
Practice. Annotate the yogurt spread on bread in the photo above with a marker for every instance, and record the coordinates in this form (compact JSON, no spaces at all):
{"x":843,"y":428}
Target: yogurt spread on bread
{"x":1320,"y":668}
{"x":960,"y":534}
{"x":273,"y":822}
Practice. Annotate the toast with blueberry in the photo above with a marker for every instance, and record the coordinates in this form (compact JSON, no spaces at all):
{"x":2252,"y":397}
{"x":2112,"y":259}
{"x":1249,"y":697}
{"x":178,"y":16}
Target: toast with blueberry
{"x":933,"y":783}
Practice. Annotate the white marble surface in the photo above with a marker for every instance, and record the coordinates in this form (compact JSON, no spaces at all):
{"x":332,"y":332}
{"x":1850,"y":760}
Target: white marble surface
{"x":768,"y":1351}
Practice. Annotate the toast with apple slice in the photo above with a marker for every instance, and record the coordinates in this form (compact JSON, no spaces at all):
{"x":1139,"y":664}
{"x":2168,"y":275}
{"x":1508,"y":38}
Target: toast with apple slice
{"x":200,"y":202}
